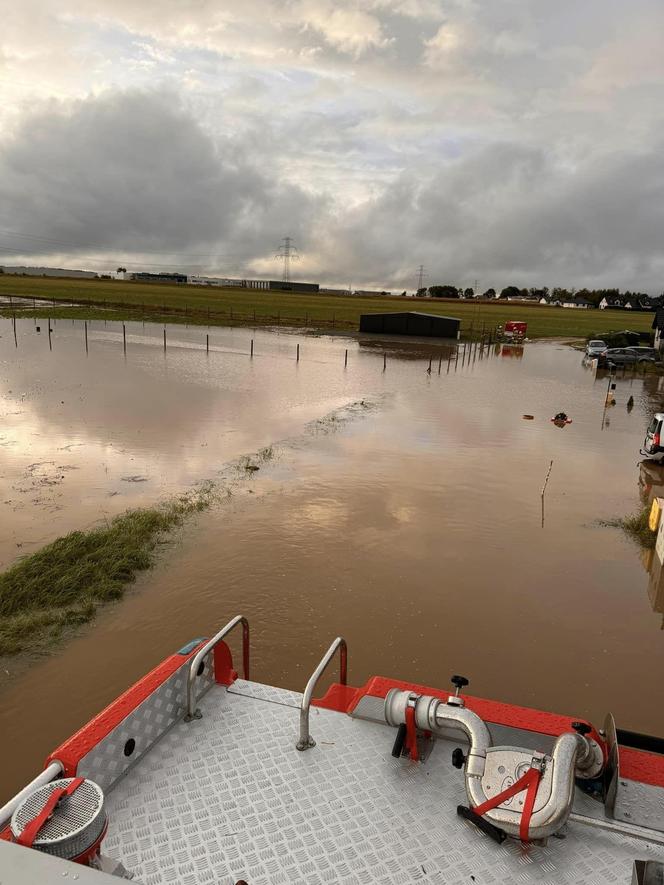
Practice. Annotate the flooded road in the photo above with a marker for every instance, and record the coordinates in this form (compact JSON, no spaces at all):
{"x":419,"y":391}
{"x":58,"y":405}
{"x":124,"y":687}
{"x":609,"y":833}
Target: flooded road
{"x":84,"y":436}
{"x":411,"y":524}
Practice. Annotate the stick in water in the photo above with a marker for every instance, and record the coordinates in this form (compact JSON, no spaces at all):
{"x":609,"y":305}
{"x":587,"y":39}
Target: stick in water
{"x":544,"y":489}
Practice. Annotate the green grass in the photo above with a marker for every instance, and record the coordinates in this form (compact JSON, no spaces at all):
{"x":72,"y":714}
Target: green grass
{"x":636,"y":526}
{"x":115,"y":299}
{"x":62,"y":585}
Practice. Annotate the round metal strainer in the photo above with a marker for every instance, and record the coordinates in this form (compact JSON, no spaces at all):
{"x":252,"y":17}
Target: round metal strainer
{"x":76,"y":824}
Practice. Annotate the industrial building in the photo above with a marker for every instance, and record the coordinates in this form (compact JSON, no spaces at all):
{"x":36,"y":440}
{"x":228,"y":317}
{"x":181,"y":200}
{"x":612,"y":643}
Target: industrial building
{"x":196,"y":280}
{"x":289,"y":286}
{"x":428,"y":325}
{"x":145,"y":277}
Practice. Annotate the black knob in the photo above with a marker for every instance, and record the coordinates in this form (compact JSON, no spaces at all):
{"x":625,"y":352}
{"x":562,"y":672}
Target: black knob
{"x":458,"y":758}
{"x":581,"y":727}
{"x":459,"y":681}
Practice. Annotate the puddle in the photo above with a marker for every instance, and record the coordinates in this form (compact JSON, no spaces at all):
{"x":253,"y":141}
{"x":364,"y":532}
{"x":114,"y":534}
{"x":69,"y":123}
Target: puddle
{"x":411,"y":524}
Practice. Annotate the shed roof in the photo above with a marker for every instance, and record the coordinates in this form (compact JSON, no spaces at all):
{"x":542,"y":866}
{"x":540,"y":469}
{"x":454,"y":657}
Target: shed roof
{"x":413,"y":313}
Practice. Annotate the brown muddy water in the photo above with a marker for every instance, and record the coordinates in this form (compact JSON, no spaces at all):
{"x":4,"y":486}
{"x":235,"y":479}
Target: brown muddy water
{"x":410,"y":523}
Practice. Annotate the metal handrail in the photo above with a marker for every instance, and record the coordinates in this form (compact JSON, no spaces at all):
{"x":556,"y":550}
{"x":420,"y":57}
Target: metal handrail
{"x":55,"y":769}
{"x":192,"y":712}
{"x":306,"y":740}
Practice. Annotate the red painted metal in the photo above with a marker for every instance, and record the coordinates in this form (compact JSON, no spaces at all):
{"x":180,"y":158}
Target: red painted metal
{"x":638,"y":765}
{"x":338,"y":697}
{"x":224,"y":673}
{"x":76,"y":747}
{"x":526,"y":718}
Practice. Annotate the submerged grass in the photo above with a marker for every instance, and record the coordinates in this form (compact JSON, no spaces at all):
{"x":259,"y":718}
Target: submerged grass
{"x":62,"y":585}
{"x":636,"y":526}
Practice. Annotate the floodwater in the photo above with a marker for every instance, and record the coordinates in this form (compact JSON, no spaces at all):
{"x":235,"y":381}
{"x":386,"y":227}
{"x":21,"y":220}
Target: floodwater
{"x":400,"y":509}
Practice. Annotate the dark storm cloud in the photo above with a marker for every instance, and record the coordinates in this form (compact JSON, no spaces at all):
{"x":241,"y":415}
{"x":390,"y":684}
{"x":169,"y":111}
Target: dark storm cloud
{"x":509,"y":142}
{"x":132,"y":171}
{"x":509,"y":213}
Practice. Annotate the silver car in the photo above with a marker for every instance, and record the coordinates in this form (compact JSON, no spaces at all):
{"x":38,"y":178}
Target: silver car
{"x":595,"y":348}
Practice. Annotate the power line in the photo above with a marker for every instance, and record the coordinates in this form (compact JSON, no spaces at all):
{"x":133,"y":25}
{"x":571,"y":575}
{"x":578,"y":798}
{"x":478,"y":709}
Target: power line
{"x":287,"y":252}
{"x":420,"y":276}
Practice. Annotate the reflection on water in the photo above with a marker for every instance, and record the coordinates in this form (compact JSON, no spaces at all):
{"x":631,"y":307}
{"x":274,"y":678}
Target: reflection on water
{"x":653,"y":565}
{"x":651,"y":486}
{"x":413,"y":530}
{"x":512,"y":351}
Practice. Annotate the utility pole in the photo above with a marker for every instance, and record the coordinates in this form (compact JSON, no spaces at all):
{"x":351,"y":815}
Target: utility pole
{"x":287,"y":252}
{"x":420,"y":277}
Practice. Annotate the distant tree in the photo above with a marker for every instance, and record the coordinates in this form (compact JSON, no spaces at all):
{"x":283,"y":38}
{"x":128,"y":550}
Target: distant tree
{"x":2,"y":270}
{"x":469,"y":292}
{"x":403,"y":294}
{"x":421,"y":293}
{"x":490,"y":293}
{"x":510,"y":292}
{"x":443,"y":291}
{"x":121,"y":270}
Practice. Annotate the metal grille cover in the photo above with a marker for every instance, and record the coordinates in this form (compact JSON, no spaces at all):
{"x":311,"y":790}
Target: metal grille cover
{"x":75,"y":825}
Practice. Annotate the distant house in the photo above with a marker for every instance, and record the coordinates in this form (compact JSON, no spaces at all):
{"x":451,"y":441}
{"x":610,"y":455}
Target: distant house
{"x":613,"y":303}
{"x":545,"y":299}
{"x":637,"y":304}
{"x":578,"y":303}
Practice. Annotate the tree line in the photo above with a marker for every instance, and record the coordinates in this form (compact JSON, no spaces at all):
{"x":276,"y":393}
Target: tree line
{"x":557,"y":294}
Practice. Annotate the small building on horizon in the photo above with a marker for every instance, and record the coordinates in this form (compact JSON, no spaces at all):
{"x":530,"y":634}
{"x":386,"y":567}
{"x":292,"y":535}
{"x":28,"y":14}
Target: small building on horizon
{"x":412,"y":322}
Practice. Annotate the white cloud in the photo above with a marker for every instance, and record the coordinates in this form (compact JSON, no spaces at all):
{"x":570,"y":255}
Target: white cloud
{"x":512,"y":139}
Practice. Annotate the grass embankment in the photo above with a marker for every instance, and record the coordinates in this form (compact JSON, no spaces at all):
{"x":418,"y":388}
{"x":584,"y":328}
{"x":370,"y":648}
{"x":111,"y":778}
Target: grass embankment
{"x":636,"y":526}
{"x":62,"y":585}
{"x":115,"y":299}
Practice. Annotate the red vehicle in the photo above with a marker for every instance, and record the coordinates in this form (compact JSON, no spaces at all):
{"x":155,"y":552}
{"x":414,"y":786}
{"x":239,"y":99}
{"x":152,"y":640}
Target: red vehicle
{"x":515,"y":330}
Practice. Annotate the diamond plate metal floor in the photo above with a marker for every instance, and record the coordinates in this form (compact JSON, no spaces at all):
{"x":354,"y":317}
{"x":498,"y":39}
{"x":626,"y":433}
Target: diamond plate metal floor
{"x":228,"y":797}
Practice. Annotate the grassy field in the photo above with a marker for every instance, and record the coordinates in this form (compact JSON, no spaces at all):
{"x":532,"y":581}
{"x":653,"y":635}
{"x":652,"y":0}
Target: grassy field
{"x":223,"y":306}
{"x":62,"y":585}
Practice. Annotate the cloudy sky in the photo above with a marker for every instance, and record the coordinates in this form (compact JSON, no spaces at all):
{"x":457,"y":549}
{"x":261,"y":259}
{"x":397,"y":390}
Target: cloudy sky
{"x":504,"y":141}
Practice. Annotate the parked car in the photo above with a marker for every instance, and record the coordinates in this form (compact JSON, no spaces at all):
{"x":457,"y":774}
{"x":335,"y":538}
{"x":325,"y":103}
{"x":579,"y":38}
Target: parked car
{"x":652,"y":444}
{"x":596,"y":348}
{"x":645,"y":354}
{"x":617,"y":356}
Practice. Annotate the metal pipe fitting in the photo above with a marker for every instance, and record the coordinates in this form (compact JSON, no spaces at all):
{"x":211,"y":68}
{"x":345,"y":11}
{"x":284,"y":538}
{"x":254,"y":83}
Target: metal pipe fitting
{"x":572,"y":754}
{"x":550,"y":816}
{"x":431,"y":714}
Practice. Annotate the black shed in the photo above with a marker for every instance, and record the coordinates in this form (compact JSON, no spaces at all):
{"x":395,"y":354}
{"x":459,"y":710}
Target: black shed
{"x":411,"y":322}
